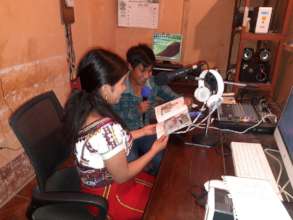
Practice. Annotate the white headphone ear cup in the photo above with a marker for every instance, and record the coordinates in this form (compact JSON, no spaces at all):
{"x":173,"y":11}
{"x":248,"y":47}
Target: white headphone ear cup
{"x":214,"y":101}
{"x":202,"y":94}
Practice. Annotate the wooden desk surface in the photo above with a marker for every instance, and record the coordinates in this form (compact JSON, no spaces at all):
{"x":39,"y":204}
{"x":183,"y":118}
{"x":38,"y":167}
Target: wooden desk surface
{"x":182,"y":169}
{"x":267,"y":141}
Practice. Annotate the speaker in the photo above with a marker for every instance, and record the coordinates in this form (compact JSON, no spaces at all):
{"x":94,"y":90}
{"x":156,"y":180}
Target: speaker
{"x":255,"y":66}
{"x":248,"y":53}
{"x":247,"y":72}
{"x":254,"y":72}
{"x":264,"y":55}
{"x":263,"y":72}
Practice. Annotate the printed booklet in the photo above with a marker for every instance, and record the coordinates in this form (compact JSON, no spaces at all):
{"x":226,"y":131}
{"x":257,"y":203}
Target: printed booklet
{"x":172,"y":116}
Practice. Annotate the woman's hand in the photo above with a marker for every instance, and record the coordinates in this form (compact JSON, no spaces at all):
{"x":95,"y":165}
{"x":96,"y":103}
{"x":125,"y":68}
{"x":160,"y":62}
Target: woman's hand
{"x":149,"y":129}
{"x":160,"y":144}
{"x":145,"y":131}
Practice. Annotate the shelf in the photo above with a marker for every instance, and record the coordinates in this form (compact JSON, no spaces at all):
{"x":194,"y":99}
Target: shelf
{"x":269,"y":36}
{"x":276,"y":43}
{"x":288,"y":47}
{"x":256,"y":86}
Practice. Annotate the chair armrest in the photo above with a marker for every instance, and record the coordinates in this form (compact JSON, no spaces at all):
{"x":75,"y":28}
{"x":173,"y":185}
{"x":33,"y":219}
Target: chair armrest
{"x":44,"y":198}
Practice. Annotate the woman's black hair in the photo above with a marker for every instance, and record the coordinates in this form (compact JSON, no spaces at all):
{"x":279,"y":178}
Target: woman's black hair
{"x":137,"y":55}
{"x":97,"y":68}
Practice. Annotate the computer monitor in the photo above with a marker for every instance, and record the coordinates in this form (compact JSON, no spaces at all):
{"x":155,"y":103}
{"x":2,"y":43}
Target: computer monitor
{"x":167,"y":46}
{"x":284,"y":136}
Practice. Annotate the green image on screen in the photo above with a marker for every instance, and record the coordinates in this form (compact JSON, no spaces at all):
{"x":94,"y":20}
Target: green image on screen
{"x":167,"y":47}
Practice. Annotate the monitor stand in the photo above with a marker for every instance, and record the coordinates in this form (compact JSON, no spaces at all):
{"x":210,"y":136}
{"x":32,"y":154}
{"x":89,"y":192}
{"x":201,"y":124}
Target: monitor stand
{"x":168,"y":65}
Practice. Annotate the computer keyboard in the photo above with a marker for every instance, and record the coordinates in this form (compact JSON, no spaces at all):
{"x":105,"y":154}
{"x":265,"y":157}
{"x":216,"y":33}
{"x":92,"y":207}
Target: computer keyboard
{"x":250,"y":161}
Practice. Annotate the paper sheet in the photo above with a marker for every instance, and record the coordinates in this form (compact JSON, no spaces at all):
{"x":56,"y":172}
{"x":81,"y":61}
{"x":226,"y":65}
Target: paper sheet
{"x":138,"y":13}
{"x":255,"y":199}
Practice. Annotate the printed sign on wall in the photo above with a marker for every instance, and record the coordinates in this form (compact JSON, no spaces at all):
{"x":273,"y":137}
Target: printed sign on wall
{"x":138,"y":13}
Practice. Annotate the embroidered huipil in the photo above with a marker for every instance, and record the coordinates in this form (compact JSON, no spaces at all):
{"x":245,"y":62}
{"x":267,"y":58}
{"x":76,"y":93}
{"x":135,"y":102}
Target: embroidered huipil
{"x":98,"y":142}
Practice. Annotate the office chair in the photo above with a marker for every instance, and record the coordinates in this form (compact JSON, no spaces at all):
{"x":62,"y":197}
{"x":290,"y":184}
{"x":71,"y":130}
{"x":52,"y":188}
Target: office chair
{"x":37,"y":125}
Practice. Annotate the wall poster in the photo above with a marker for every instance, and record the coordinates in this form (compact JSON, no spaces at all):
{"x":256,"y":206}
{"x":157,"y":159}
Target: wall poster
{"x":138,"y":13}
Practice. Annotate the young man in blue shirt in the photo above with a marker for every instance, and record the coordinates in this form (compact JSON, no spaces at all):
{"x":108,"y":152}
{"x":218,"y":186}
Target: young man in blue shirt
{"x":137,"y":111}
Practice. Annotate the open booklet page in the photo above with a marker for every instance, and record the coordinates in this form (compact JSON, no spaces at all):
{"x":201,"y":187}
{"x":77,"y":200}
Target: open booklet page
{"x":175,"y":115}
{"x":169,"y":109}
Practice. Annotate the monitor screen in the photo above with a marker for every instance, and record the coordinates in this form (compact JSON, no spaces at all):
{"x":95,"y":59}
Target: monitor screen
{"x":284,"y":136}
{"x":167,"y":47}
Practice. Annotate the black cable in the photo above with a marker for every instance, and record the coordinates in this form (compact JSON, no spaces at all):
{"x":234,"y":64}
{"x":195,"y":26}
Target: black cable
{"x":200,"y":195}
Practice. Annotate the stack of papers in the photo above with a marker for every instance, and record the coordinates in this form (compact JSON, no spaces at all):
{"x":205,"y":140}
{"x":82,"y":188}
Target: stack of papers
{"x":255,"y":199}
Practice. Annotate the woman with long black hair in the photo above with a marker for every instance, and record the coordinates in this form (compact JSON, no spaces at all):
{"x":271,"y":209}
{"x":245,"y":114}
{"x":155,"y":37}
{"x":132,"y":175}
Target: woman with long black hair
{"x":102,"y":142}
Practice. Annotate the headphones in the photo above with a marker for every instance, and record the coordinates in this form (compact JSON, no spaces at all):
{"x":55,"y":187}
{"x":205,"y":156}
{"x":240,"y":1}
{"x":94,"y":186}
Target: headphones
{"x":203,"y":93}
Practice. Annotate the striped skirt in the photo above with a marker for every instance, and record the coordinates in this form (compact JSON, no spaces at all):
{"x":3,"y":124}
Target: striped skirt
{"x":127,"y":200}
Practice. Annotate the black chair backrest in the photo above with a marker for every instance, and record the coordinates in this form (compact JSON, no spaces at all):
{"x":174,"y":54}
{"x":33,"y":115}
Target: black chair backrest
{"x":37,"y":125}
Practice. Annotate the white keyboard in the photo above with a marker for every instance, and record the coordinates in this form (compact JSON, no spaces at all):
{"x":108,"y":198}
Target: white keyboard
{"x":250,"y":161}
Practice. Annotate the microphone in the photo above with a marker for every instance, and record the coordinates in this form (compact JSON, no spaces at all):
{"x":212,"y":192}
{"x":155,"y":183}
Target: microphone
{"x":145,"y":94}
{"x":164,"y":78}
{"x":239,"y":84}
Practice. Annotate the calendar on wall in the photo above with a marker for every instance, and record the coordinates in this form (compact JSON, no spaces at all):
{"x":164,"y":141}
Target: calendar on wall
{"x":138,"y":13}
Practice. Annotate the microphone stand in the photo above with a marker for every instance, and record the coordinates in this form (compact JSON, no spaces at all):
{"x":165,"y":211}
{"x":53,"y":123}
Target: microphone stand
{"x":204,"y":139}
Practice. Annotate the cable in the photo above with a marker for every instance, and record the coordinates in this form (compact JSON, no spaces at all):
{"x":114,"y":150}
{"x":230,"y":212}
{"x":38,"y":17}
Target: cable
{"x":189,"y":127}
{"x":192,"y":126}
{"x":199,"y":194}
{"x":247,"y":129}
{"x":287,"y":194}
{"x":198,"y":125}
{"x":285,"y":185}
{"x":267,"y":151}
{"x":71,"y":61}
{"x":281,"y":188}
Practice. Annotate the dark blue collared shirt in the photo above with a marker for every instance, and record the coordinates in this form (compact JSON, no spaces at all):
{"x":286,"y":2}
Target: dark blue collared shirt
{"x":127,"y":108}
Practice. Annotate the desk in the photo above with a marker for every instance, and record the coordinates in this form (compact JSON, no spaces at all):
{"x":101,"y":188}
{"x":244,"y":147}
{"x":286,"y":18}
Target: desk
{"x":267,"y":141}
{"x":182,"y":168}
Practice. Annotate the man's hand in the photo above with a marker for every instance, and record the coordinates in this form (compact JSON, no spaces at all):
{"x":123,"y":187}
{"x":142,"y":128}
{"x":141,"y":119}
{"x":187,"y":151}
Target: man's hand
{"x":144,"y":106}
{"x":149,"y":129}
